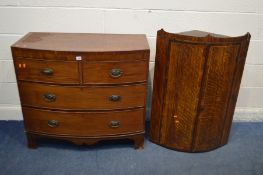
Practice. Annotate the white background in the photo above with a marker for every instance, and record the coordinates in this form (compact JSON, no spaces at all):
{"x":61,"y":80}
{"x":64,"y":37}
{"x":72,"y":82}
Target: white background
{"x":231,"y":17}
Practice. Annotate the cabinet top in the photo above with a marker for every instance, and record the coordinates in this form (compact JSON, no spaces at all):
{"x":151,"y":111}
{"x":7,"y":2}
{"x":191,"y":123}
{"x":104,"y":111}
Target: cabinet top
{"x":83,"y":42}
{"x":198,"y":33}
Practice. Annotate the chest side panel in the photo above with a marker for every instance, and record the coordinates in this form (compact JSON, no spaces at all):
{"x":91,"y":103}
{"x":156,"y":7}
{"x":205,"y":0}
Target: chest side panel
{"x":186,"y":64}
{"x":159,"y":85}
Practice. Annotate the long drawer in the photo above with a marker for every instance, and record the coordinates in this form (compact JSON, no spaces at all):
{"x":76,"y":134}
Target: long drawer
{"x":82,"y":97}
{"x":83,"y":123}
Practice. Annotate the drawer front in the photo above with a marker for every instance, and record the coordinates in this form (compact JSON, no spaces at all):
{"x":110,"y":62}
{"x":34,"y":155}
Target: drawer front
{"x":62,"y":72}
{"x":83,"y":124}
{"x":82,"y":98}
{"x":115,"y":72}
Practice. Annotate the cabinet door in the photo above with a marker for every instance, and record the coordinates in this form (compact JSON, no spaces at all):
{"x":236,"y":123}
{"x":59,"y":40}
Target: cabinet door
{"x":218,"y":80}
{"x":185,"y":70}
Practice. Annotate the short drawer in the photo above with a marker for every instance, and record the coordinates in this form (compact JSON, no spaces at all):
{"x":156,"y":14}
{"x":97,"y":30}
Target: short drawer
{"x":62,"y":72}
{"x":115,"y":72}
{"x":83,"y":123}
{"x":82,"y":98}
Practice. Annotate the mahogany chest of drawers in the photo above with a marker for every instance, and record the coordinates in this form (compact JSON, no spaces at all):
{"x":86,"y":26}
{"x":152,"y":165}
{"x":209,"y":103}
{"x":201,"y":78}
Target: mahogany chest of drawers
{"x":82,"y":87}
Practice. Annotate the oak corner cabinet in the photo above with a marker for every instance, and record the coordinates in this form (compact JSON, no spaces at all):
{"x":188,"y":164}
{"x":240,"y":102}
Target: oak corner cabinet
{"x":82,"y":88}
{"x":196,"y":83}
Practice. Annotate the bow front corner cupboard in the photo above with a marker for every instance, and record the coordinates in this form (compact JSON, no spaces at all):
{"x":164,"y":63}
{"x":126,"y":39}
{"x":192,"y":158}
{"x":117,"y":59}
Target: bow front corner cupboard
{"x":196,"y":83}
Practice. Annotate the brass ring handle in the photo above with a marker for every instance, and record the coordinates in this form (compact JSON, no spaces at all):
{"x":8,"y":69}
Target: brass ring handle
{"x":114,"y":98}
{"x":114,"y":124}
{"x":115,"y":73}
{"x":47,"y":71}
{"x":52,"y":123}
{"x":49,"y":97}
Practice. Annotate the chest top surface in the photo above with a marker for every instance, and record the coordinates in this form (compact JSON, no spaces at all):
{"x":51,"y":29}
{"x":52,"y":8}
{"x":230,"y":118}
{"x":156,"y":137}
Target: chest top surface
{"x":83,"y":42}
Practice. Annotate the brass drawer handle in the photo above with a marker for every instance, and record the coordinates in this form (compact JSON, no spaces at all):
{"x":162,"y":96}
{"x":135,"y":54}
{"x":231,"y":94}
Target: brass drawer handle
{"x":47,"y":71}
{"x":115,"y":73}
{"x":114,"y":124}
{"x":52,"y":123}
{"x":114,"y":98}
{"x":49,"y":97}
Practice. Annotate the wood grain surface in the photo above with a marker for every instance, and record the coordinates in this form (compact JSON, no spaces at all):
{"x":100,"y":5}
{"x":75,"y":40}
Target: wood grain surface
{"x":181,"y":100}
{"x":215,"y":95}
{"x":83,"y":42}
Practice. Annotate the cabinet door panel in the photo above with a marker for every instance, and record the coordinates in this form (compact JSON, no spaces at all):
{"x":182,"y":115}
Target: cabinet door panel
{"x":218,"y":80}
{"x":185,"y":76}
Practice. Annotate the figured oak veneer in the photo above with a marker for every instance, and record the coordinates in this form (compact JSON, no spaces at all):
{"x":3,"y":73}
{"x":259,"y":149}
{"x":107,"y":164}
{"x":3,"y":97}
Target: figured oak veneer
{"x":196,"y":82}
{"x":82,"y":88}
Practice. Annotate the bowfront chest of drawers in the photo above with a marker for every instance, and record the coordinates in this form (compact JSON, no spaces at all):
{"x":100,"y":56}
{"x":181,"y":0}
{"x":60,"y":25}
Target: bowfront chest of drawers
{"x":82,"y":87}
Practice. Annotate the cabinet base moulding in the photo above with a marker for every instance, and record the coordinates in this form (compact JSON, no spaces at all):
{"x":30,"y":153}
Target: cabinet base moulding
{"x":33,"y":138}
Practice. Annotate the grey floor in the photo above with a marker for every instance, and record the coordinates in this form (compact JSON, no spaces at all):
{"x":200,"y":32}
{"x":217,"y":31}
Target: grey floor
{"x":243,"y":155}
